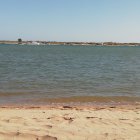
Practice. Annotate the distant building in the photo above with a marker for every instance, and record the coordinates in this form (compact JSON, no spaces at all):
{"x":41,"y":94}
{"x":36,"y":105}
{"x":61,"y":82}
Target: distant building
{"x":33,"y":43}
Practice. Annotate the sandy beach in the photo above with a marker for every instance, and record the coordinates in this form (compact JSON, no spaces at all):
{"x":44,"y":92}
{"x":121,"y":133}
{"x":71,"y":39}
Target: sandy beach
{"x":70,"y":123}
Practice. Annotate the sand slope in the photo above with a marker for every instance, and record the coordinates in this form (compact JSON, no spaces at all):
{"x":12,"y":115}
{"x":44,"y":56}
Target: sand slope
{"x":70,"y":124}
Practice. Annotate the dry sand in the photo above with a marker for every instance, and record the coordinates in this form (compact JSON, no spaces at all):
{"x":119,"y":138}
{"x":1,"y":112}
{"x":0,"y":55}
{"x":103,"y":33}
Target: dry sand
{"x":64,"y":123}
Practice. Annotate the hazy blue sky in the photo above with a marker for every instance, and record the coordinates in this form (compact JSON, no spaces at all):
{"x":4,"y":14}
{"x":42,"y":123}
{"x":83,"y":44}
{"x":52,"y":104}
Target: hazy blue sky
{"x":70,"y":20}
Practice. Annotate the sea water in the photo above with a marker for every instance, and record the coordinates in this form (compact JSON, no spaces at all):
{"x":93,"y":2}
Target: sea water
{"x":30,"y":73}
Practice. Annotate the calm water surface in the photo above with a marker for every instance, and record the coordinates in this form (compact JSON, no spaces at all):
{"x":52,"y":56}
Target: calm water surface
{"x":36,"y":73}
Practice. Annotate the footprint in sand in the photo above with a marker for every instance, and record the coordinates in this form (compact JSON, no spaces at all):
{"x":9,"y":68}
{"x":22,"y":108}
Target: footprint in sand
{"x":47,"y":137}
{"x":48,"y":126}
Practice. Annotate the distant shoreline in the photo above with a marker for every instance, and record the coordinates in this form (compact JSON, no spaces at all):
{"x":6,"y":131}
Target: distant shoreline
{"x":68,"y":43}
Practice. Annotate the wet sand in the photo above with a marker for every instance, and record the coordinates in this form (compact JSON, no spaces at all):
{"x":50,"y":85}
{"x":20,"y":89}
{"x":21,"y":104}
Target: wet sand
{"x":70,"y":123}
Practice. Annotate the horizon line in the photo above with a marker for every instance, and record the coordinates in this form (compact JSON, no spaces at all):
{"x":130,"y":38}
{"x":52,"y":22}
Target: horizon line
{"x":67,"y":41}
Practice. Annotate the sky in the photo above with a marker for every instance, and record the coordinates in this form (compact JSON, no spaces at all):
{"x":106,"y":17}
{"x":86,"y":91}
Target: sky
{"x":70,"y":20}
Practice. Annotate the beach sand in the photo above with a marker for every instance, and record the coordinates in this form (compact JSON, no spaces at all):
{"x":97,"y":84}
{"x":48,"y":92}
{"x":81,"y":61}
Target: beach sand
{"x":70,"y":123}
